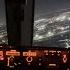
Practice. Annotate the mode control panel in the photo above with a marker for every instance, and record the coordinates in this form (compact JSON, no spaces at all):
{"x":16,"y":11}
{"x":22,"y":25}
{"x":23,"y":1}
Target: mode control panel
{"x":33,"y":59}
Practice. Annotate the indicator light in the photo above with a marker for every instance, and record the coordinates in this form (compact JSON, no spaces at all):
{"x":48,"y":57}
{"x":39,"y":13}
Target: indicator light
{"x":29,"y":59}
{"x":29,"y":53}
{"x":12,"y":53}
{"x":64,"y":58}
{"x":1,"y":53}
{"x":40,"y":64}
{"x":52,"y":64}
{"x":58,"y":51}
{"x":46,"y":52}
{"x":1,"y":58}
{"x":52,"y":51}
{"x":10,"y":60}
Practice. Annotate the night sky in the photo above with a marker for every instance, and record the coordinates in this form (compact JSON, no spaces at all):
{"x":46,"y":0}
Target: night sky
{"x":2,"y":12}
{"x":44,"y":7}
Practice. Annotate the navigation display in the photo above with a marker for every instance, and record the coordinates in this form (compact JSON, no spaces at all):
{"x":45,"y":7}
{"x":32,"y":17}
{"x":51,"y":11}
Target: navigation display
{"x":52,"y":23}
{"x":3,"y":28}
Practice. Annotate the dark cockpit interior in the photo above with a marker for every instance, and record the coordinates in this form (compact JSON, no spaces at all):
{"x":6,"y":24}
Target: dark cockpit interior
{"x":34,"y":35}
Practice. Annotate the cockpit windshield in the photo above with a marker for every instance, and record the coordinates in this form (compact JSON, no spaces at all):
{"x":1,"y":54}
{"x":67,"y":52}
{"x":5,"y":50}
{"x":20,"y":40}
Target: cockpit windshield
{"x":52,"y":23}
{"x":3,"y":28}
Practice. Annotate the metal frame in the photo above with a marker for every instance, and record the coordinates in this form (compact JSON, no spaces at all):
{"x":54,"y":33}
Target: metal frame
{"x":27,"y":25}
{"x":19,"y":28}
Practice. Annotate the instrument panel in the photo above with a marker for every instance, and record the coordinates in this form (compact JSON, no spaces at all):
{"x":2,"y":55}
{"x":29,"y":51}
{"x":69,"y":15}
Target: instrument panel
{"x":33,"y":59}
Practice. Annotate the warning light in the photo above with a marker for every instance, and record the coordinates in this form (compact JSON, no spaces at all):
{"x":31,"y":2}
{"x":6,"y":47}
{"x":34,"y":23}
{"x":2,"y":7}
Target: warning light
{"x":64,"y":58}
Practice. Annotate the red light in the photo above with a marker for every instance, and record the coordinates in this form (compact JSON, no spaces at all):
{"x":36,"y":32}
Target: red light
{"x":1,"y":58}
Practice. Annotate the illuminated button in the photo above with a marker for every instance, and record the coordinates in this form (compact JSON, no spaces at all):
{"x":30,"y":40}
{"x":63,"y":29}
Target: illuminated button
{"x":1,"y":53}
{"x":15,"y":64}
{"x":58,"y":54}
{"x":46,"y":52}
{"x":10,"y":61}
{"x":29,"y":64}
{"x":58,"y":51}
{"x":64,"y":58}
{"x":29,"y":59}
{"x":52,"y":54}
{"x":29,"y":53}
{"x":40,"y":59}
{"x":68,"y":69}
{"x":19,"y":63}
{"x":52,"y":51}
{"x":12,"y":53}
{"x":40,"y":64}
{"x":1,"y":46}
{"x":1,"y":58}
{"x":52,"y":64}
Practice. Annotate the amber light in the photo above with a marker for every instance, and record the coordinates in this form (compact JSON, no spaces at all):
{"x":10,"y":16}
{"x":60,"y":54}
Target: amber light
{"x":29,"y":53}
{"x":46,"y":52}
{"x":1,"y":55}
{"x":12,"y":53}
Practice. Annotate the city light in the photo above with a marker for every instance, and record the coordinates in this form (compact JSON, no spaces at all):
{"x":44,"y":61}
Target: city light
{"x":38,"y":37}
{"x":42,"y":27}
{"x":50,"y":34}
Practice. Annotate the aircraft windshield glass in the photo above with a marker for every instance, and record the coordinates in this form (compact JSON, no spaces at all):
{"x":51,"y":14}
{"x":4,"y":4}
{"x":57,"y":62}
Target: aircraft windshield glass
{"x":3,"y":28}
{"x":52,"y":23}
